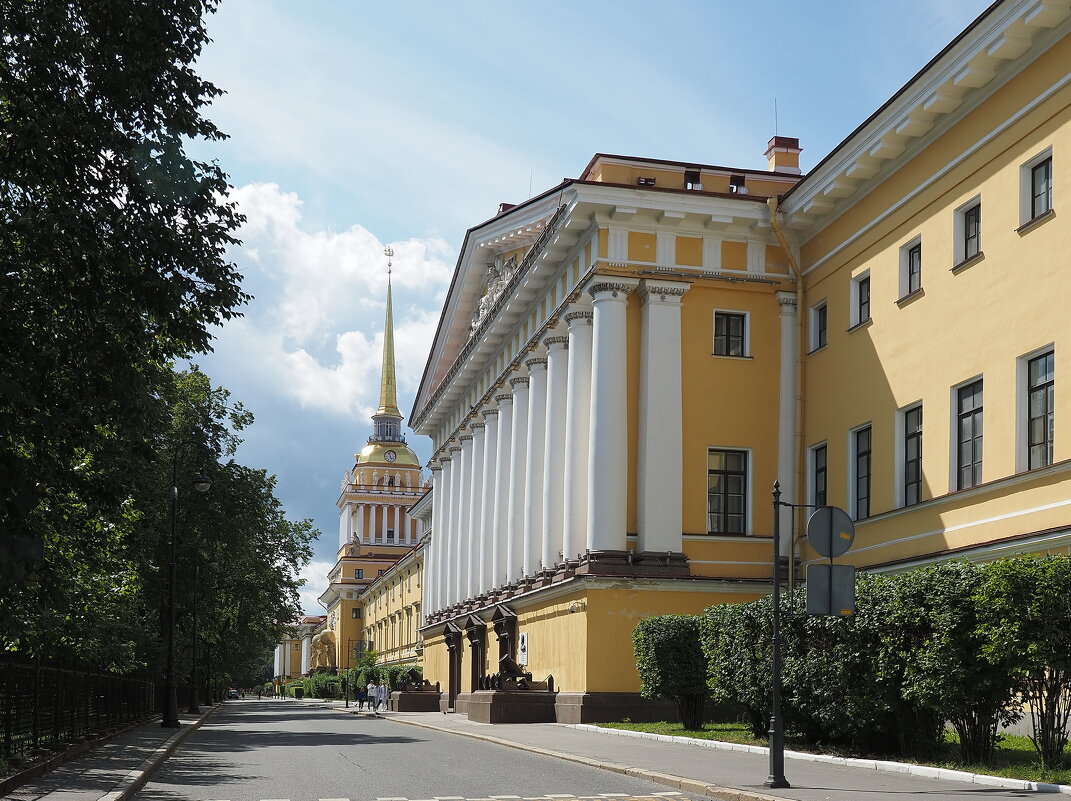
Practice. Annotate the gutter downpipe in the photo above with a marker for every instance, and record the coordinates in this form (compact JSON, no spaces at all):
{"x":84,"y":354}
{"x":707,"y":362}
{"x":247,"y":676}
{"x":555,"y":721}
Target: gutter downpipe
{"x":801,"y":352}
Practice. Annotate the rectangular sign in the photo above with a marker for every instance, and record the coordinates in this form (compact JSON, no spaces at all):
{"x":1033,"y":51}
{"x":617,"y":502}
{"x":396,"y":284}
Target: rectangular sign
{"x":831,"y":590}
{"x":522,"y":648}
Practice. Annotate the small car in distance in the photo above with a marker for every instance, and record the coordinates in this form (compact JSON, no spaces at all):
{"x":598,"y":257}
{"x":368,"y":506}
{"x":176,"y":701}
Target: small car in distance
{"x":232,"y":694}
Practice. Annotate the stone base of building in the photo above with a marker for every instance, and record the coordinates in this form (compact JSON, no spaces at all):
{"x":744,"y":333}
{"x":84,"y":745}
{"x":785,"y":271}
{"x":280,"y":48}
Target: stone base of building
{"x":610,"y":708}
{"x":506,"y":706}
{"x":630,"y":563}
{"x":410,"y":701}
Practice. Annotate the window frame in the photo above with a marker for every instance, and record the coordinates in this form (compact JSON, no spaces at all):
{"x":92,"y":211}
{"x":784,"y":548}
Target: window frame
{"x":745,"y":336}
{"x":857,"y":300}
{"x":747,"y":494}
{"x":1022,"y":405}
{"x":1045,"y":389}
{"x":813,"y":474}
{"x":906,"y":251}
{"x":977,"y":439}
{"x":909,"y":482}
{"x":1027,"y":195}
{"x":962,"y":235}
{"x":853,"y":472}
{"x":818,"y":325}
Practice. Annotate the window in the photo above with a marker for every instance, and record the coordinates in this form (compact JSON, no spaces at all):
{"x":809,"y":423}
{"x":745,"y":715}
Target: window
{"x":818,"y":326}
{"x":380,"y":572}
{"x":730,"y":334}
{"x":861,"y":441}
{"x":911,"y":267}
{"x":693,"y":180}
{"x":358,"y":573}
{"x":818,"y":475}
{"x":1041,"y":189}
{"x":969,"y":435}
{"x":912,"y":468}
{"x":1035,"y":187}
{"x":1040,"y":396}
{"x":860,"y":300}
{"x":726,"y":491}
{"x":355,"y":613}
{"x":968,"y":231}
{"x":390,"y":532}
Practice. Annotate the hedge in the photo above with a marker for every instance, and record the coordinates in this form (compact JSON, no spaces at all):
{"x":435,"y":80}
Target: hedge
{"x":959,"y":643}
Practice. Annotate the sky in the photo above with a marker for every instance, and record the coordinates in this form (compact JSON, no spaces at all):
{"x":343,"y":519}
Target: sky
{"x":359,"y":125}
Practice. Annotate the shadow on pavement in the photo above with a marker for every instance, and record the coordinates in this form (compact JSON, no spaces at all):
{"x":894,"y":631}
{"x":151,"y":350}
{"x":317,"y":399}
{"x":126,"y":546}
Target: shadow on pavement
{"x":216,"y":742}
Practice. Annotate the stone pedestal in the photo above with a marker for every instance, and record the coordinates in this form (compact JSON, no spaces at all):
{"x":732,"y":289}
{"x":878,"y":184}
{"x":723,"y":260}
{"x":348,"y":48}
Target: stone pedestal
{"x":630,"y":563}
{"x":610,"y":708}
{"x":504,"y":706}
{"x":414,"y":701}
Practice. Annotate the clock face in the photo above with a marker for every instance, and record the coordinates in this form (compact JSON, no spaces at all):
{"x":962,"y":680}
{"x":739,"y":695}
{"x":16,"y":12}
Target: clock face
{"x":390,"y":456}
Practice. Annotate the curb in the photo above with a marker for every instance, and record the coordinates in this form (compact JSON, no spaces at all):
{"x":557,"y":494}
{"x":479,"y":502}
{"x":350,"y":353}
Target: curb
{"x":925,"y":771}
{"x":137,"y":778}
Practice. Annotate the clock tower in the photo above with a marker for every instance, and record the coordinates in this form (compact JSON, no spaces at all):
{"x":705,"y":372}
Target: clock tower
{"x":375,"y":529}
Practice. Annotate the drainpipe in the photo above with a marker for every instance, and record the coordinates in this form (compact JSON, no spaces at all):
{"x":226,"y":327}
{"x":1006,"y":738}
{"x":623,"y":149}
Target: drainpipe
{"x":801,"y":352}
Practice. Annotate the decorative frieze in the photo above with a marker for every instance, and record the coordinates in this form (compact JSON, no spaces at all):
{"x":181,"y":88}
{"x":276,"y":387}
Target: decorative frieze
{"x":613,"y":287}
{"x":519,"y":380}
{"x":579,"y":317}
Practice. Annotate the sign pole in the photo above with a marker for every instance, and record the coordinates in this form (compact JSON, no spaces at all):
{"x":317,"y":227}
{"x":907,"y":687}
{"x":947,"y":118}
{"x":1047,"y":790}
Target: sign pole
{"x":777,"y":728}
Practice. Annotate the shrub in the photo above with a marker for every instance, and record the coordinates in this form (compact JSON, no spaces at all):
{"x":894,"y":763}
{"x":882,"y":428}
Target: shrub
{"x":670,"y":662}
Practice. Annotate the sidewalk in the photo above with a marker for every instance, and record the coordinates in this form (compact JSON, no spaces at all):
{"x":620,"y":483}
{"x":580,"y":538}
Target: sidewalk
{"x":730,"y":775}
{"x":111,"y":771}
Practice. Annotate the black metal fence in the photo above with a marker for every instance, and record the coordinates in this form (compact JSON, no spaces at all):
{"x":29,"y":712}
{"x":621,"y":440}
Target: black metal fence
{"x":42,"y":705}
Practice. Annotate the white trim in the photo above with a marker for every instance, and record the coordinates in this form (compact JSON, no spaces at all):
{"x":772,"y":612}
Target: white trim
{"x":853,"y":308}
{"x":853,"y":512}
{"x":728,"y":538}
{"x":1026,"y":185}
{"x":879,"y":218}
{"x":748,"y":494}
{"x":747,"y":332}
{"x":900,"y":451}
{"x":765,"y":563}
{"x":905,"y":250}
{"x":953,"y":431}
{"x":959,"y":527}
{"x":993,"y":550}
{"x":810,"y":470}
{"x":1022,"y":405}
{"x":959,"y":230}
{"x":812,"y":325}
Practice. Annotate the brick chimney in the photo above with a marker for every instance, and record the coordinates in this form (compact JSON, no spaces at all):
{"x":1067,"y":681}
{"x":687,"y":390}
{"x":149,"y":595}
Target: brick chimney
{"x":783,"y":154}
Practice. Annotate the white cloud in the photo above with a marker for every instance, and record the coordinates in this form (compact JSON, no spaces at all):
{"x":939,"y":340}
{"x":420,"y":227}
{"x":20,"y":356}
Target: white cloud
{"x":315,"y":575}
{"x":314,"y":332}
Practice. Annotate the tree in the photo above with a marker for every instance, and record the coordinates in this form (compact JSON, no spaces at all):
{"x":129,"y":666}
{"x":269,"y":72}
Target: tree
{"x":112,"y":244}
{"x":669,"y":659}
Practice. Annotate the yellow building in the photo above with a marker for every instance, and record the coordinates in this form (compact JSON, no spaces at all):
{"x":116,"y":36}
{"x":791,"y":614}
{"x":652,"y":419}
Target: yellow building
{"x":293,"y":654}
{"x":626,"y":363}
{"x":376,"y":528}
{"x":391,"y":608}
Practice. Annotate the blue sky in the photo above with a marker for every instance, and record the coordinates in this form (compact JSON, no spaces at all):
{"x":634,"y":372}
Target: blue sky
{"x":355,"y":125}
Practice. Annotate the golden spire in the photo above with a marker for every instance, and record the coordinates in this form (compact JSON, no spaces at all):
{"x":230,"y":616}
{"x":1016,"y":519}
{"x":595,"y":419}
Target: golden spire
{"x":388,"y":394}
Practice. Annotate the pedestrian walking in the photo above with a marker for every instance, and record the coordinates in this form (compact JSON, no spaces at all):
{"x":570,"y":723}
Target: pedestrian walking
{"x":362,"y":696}
{"x":382,"y":694}
{"x":372,"y":696}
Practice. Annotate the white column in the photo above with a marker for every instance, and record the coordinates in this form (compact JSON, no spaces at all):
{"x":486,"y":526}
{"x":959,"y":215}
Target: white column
{"x":554,"y":449}
{"x":517,"y":480}
{"x":433,"y":556}
{"x":660,"y":442}
{"x":577,"y":425}
{"x":608,"y":440}
{"x":786,"y":417}
{"x":398,"y":540}
{"x":533,"y":470}
{"x":487,"y":520}
{"x":279,"y":660}
{"x":464,"y":505}
{"x":447,"y":574}
{"x":360,"y":522}
{"x":343,"y":526}
{"x":500,"y":539}
{"x":306,"y":648}
{"x":475,"y":500}
{"x":383,"y":523}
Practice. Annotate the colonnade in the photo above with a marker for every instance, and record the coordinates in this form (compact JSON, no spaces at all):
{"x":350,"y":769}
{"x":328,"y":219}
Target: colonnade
{"x":379,"y":523}
{"x":540,"y":477}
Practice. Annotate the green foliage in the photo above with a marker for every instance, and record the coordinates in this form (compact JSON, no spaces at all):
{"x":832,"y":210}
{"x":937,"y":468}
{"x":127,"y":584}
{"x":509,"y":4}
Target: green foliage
{"x":955,"y":642}
{"x":1025,"y":608}
{"x":112,"y":251}
{"x":322,"y":685}
{"x":670,"y":662}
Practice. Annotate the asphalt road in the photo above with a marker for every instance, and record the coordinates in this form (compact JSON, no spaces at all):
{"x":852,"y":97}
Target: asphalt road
{"x":255,"y":750}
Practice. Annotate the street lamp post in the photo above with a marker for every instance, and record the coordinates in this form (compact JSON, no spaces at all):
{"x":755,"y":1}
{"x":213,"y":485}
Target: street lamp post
{"x":201,"y":484}
{"x":777,"y":725}
{"x":193,"y":708}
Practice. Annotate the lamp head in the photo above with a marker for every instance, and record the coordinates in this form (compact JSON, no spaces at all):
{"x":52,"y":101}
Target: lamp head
{"x":202,"y":482}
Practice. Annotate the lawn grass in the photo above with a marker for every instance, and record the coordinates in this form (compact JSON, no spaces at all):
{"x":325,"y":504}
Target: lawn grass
{"x":1014,"y":758}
